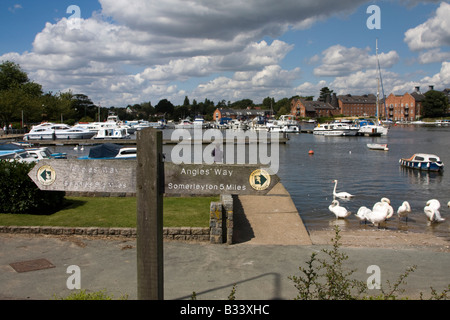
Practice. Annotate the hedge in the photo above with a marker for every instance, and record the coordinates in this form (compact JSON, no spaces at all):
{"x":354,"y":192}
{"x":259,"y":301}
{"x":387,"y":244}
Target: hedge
{"x":20,"y":195}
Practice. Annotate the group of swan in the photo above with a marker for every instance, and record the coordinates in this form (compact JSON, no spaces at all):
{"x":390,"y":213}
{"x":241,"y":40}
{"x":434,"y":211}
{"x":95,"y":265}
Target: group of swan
{"x":383,"y":210}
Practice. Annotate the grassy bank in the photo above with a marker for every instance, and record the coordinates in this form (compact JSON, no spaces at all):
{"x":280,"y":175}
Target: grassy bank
{"x":115,"y":212}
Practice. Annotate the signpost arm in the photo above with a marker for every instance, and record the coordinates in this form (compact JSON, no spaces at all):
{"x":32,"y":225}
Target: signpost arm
{"x":149,"y":194}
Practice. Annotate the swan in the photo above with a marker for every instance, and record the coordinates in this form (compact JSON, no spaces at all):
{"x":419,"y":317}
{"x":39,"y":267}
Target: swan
{"x":432,"y":211}
{"x":339,"y":212}
{"x":384,"y":205}
{"x":76,"y":148}
{"x":342,"y":195}
{"x":404,"y":210}
{"x":377,"y":215}
{"x":362,"y":213}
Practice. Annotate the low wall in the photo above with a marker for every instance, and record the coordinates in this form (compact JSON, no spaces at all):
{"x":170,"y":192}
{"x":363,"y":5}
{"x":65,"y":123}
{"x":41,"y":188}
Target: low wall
{"x":186,"y":234}
{"x":220,"y":230}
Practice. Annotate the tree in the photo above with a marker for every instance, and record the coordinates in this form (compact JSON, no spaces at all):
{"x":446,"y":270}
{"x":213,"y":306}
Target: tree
{"x":435,"y":104}
{"x":18,"y":95}
{"x":325,"y":93}
{"x":165,"y":106}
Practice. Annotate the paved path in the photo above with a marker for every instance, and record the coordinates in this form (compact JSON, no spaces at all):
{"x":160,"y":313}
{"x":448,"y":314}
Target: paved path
{"x":272,"y":219}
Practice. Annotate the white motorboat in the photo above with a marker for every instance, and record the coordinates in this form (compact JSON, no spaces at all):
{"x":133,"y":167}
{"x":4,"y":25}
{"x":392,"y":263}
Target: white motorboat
{"x":113,"y":133}
{"x":285,"y":124}
{"x":378,"y":146}
{"x":335,"y":129}
{"x":185,"y":124}
{"x":52,"y":131}
{"x":370,"y":128}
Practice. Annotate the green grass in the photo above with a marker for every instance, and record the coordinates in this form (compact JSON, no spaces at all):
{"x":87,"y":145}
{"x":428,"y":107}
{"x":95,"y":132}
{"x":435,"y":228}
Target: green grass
{"x":115,"y":212}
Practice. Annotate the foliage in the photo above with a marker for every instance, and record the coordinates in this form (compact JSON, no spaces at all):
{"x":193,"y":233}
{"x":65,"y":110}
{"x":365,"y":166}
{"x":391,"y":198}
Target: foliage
{"x":435,"y":104}
{"x":328,"y":280}
{"x":336,"y":284}
{"x":19,"y":194}
{"x":83,"y":295}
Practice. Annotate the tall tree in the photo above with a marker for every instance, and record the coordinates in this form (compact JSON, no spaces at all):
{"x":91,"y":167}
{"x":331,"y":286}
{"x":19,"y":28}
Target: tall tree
{"x":325,"y":93}
{"x":18,"y":95}
{"x":435,"y":104}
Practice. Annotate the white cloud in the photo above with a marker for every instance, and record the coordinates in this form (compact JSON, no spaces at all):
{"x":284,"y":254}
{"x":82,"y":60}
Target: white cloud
{"x":338,"y":60}
{"x":433,"y":33}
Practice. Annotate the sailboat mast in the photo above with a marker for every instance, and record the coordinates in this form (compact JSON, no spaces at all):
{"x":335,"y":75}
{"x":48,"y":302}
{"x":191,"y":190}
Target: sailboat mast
{"x":378,"y":83}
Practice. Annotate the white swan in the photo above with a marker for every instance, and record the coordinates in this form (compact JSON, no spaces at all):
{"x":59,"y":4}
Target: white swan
{"x":384,"y":205}
{"x":76,"y":148}
{"x":362,"y":213}
{"x":377,"y":215}
{"x":342,"y":195}
{"x":404,"y":210}
{"x":339,"y":212}
{"x":432,"y":211}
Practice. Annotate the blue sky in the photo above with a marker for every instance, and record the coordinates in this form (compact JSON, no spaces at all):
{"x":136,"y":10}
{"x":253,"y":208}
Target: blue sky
{"x":125,"y":52}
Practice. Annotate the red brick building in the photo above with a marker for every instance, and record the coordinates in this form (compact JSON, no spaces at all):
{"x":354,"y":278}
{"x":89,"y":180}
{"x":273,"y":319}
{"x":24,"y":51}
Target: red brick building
{"x":407,"y":107}
{"x":358,"y":106}
{"x":301,"y":108}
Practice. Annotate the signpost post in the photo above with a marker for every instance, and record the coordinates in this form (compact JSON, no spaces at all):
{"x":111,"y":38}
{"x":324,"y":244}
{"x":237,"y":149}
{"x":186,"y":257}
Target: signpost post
{"x":149,"y":177}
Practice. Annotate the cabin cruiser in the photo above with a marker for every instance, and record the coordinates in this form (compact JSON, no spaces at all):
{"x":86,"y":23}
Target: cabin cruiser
{"x":285,"y":124}
{"x":336,"y":129}
{"x":53,"y":131}
{"x":368,"y":127}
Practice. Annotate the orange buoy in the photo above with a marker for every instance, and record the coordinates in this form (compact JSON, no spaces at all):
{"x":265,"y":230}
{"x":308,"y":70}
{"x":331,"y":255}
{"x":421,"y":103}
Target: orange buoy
{"x":311,"y":152}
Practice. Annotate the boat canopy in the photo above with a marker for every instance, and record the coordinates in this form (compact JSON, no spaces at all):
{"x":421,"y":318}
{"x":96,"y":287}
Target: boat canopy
{"x":105,"y":150}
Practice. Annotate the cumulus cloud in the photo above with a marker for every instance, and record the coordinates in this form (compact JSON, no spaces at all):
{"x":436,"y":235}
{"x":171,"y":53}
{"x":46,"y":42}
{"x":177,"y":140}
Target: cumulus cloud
{"x":338,"y":60}
{"x":433,"y":33}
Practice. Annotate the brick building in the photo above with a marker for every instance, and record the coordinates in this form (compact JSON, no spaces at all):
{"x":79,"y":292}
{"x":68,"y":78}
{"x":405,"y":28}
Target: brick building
{"x":407,"y":107}
{"x":358,"y":106}
{"x":312,"y":109}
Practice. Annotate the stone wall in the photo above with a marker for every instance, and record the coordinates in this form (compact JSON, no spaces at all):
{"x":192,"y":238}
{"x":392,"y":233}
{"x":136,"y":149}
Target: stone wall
{"x":187,"y":234}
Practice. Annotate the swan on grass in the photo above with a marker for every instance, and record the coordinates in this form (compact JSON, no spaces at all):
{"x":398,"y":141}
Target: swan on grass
{"x":432,"y":211}
{"x":339,"y":212}
{"x":342,"y":195}
{"x":404,"y":210}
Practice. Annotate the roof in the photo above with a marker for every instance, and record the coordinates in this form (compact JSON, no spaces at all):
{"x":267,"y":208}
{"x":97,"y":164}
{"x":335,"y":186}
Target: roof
{"x":314,"y":105}
{"x":243,"y":112}
{"x":367,"y":98}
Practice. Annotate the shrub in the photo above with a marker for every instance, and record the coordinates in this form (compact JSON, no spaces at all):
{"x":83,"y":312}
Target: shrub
{"x":19,"y":194}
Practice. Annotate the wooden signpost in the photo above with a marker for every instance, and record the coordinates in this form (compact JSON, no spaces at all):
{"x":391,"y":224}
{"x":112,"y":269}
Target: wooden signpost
{"x":149,"y":177}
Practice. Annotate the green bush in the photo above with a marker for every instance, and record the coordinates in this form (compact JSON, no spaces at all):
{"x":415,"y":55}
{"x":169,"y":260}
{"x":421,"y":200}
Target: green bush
{"x":19,"y":194}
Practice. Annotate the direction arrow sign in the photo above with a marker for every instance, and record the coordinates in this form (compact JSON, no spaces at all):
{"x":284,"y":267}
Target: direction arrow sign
{"x":119,"y":176}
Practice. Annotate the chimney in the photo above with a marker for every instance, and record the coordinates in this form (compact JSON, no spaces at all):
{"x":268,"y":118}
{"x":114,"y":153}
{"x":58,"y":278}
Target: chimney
{"x":430,"y":87}
{"x":418,"y":89}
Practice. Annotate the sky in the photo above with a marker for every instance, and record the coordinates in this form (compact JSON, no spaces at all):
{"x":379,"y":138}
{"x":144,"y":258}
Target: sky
{"x":125,"y":52}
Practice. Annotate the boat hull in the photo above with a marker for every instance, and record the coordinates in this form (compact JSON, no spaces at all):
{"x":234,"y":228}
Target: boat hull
{"x":421,"y":165}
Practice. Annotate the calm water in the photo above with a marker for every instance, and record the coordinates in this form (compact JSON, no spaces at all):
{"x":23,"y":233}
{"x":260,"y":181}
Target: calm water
{"x":368,"y":174}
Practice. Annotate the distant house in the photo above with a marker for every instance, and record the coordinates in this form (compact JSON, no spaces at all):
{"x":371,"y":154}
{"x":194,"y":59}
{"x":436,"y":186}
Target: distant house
{"x":312,"y":109}
{"x":407,"y":107}
{"x":245,"y":114}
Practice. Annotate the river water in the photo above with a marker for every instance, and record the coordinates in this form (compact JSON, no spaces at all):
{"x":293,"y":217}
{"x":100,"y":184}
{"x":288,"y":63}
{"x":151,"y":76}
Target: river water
{"x":367,"y":174}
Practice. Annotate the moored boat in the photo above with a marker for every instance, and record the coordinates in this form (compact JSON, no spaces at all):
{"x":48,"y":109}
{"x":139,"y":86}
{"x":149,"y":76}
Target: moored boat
{"x":423,"y":161}
{"x":52,"y":131}
{"x":108,"y":151}
{"x":378,"y":146}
